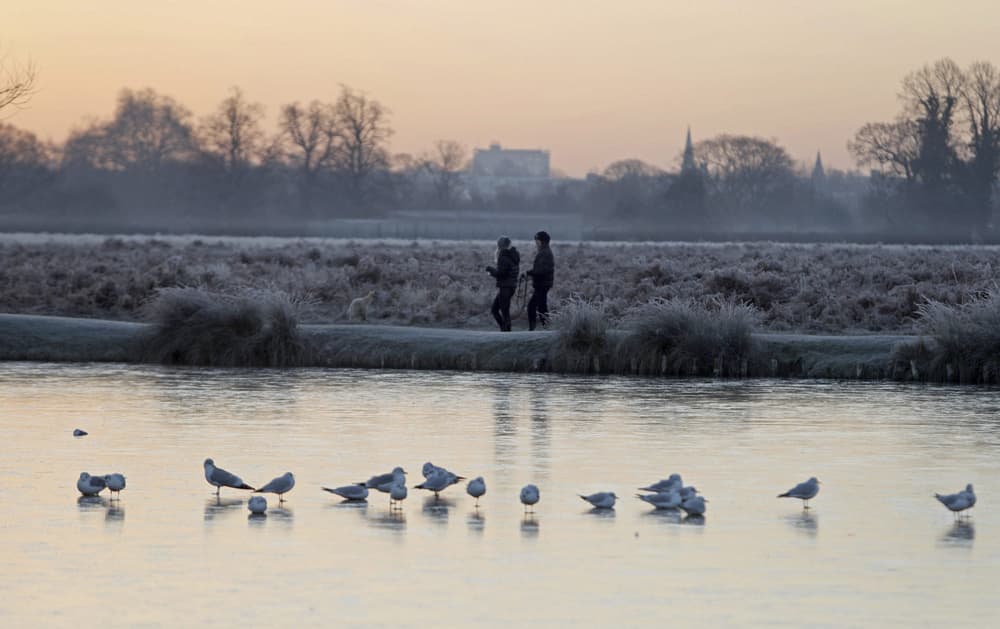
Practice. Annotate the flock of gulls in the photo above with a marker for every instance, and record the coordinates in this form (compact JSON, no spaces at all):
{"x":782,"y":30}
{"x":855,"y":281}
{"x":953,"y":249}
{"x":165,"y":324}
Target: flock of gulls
{"x":669,"y":493}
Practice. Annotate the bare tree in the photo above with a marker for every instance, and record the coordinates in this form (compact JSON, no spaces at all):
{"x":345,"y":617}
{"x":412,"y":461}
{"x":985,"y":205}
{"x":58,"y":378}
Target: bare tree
{"x":981,"y":100}
{"x":445,"y":167}
{"x":233,"y":134}
{"x":311,"y":132}
{"x":17,"y":82}
{"x":24,"y":163}
{"x":930,"y":98}
{"x":747,"y":170}
{"x":893,"y":147}
{"x":363,"y":129}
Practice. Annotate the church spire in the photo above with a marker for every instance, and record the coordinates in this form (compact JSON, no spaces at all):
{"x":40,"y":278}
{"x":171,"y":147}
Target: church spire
{"x":818,"y":174}
{"x":687,"y":161}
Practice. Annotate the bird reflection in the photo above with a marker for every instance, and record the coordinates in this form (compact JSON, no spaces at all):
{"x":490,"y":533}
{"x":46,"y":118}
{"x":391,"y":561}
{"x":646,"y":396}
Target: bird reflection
{"x":215,"y":506}
{"x":694,"y":520}
{"x":529,"y":526}
{"x":394,"y":520}
{"x":806,"y":521}
{"x":669,"y":516}
{"x":282,"y":514}
{"x":437,"y":508}
{"x":115,"y":514}
{"x":91,"y":503}
{"x":256,"y":520}
{"x":476,"y":521}
{"x":601,"y":513}
{"x":962,"y":531}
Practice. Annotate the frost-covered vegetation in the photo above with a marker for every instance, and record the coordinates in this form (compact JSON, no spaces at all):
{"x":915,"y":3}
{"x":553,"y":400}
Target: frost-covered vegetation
{"x":805,"y":288}
{"x":251,"y":327}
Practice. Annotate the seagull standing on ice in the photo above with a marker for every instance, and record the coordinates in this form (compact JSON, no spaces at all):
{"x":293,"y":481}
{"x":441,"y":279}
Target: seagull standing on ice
{"x":476,"y":488}
{"x":429,"y":469}
{"x":257,"y":505}
{"x":665,"y":485}
{"x":529,"y":497}
{"x":397,"y":494}
{"x":384,"y":482}
{"x":438,"y":481}
{"x":219,"y":478}
{"x":90,"y":485}
{"x":662,"y":500}
{"x":115,"y":483}
{"x":602,"y":499}
{"x":280,"y":485}
{"x":803,"y":491}
{"x":695,"y":505}
{"x":349,"y":492}
{"x":958,"y":502}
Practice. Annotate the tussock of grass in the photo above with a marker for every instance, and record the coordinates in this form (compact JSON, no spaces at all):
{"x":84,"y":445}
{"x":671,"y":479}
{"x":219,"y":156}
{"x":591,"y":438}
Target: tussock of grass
{"x":249,"y":328}
{"x":581,"y":326}
{"x":965,"y":340}
{"x":683,"y":336}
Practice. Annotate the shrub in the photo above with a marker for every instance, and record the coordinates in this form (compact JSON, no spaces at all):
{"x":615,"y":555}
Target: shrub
{"x":686,"y":336}
{"x":581,"y":326}
{"x":249,"y":328}
{"x":966,"y":338}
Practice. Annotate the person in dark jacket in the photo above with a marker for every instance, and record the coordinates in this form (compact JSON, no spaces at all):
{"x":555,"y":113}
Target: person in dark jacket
{"x":506,"y":274}
{"x":542,"y":274}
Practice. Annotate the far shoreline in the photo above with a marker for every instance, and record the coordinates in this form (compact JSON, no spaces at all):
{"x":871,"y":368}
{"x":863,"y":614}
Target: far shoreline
{"x":64,"y":339}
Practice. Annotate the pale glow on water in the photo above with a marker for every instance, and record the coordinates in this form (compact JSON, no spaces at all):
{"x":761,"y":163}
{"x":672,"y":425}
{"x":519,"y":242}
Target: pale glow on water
{"x":876,"y":549}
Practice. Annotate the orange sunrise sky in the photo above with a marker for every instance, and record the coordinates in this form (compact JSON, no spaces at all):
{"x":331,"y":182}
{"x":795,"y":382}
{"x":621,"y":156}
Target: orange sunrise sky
{"x":592,"y":82}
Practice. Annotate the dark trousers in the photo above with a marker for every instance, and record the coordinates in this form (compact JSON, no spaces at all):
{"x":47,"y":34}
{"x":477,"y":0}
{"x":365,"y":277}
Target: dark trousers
{"x":501,"y":307}
{"x":538,"y":306}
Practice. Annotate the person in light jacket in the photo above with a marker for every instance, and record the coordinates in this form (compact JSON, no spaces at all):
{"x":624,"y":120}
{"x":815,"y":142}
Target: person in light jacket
{"x":506,"y":274}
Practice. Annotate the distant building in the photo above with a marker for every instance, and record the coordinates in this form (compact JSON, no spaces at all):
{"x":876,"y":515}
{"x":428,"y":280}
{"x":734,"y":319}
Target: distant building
{"x":496,"y":169}
{"x":497,"y":161}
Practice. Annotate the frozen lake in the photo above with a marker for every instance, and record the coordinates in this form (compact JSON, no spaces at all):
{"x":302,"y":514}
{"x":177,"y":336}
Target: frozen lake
{"x":876,"y":549}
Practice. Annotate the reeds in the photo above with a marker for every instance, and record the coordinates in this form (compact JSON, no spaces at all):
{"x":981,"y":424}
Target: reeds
{"x":247,"y":328}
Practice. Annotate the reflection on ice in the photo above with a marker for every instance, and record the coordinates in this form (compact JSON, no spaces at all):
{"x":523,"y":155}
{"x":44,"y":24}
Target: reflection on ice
{"x":601,"y":512}
{"x":694,"y":519}
{"x":256,"y":520}
{"x":806,"y":521}
{"x":670,"y":516}
{"x":963,"y":532}
{"x":91,"y":503}
{"x":476,"y":521}
{"x":529,"y":526}
{"x":389,"y":520}
{"x":437,"y":509}
{"x":215,"y":507}
{"x":115,"y":513}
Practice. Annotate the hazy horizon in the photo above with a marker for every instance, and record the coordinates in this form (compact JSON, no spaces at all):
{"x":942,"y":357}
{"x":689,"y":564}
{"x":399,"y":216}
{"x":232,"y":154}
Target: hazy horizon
{"x":591,"y":85}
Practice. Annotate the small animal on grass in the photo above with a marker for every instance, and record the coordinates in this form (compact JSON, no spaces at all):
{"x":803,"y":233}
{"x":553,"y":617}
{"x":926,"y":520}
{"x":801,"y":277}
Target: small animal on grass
{"x":359,"y":307}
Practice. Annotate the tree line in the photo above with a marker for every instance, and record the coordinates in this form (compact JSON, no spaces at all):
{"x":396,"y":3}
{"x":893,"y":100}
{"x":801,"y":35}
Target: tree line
{"x":933,"y":169}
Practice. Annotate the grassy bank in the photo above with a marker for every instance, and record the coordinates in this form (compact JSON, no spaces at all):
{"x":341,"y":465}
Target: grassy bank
{"x":59,"y":339}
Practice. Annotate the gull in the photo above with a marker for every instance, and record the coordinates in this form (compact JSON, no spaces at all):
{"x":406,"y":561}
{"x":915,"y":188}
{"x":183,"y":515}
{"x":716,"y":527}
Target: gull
{"x":221,"y":478}
{"x":803,"y":491}
{"x":397,"y":494}
{"x":437,"y":481}
{"x":688,"y":492}
{"x":280,"y":485}
{"x":257,"y":505}
{"x":695,"y":505}
{"x":529,"y":496}
{"x":90,"y":485}
{"x":602,"y":499}
{"x":674,"y":482}
{"x":429,"y":468}
{"x":476,"y":488}
{"x":384,"y":482}
{"x":662,"y":500}
{"x":115,"y":482}
{"x":955,"y":502}
{"x":79,"y":433}
{"x":349,"y":492}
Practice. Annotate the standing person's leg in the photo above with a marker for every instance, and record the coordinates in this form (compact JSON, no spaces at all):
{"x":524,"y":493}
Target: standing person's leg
{"x":533,"y":309}
{"x":495,"y":309}
{"x":504,"y":296}
{"x":543,"y":305}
